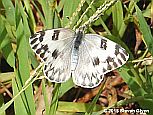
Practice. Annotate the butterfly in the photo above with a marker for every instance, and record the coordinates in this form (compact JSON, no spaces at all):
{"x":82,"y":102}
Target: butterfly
{"x":84,"y":57}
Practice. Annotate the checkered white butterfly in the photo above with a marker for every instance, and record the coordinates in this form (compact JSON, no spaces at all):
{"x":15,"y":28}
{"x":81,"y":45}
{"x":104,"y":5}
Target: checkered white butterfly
{"x":85,"y":57}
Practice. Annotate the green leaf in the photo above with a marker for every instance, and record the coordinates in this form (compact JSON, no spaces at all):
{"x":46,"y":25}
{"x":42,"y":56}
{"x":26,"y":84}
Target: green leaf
{"x":76,"y":107}
{"x":5,"y":43}
{"x":146,"y":32}
{"x":6,"y":77}
{"x":132,"y":80}
{"x":9,"y":11}
{"x":48,"y":10}
{"x":23,"y":70}
{"x":18,"y":102}
{"x":117,"y":14}
{"x":54,"y":102}
{"x":65,"y":87}
{"x":45,"y":95}
{"x":69,"y":8}
{"x":31,"y":18}
{"x":4,"y":107}
{"x":2,"y":103}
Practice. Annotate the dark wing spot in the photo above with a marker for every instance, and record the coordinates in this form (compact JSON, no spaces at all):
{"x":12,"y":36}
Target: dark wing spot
{"x":109,"y":67}
{"x":35,"y":46}
{"x":101,"y":76}
{"x":34,"y":35}
{"x":115,"y":64}
{"x":45,"y":59}
{"x":46,"y":73}
{"x":109,"y":59}
{"x":96,"y":61}
{"x":43,"y":47}
{"x":51,"y":77}
{"x":34,"y":40}
{"x":45,"y":67}
{"x":104,"y":70}
{"x":42,"y":55}
{"x":117,"y":47}
{"x":42,"y":33}
{"x":120,"y":62}
{"x":123,"y":57}
{"x":55,"y":34}
{"x":38,"y":50}
{"x":91,"y":84}
{"x":97,"y":81}
{"x":124,"y":51}
{"x":103,"y":44}
{"x":55,"y":54}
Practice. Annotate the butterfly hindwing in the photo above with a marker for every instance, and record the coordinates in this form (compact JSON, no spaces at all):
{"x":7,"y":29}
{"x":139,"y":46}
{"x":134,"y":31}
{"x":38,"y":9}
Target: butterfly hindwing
{"x":85,"y":74}
{"x":59,"y":70}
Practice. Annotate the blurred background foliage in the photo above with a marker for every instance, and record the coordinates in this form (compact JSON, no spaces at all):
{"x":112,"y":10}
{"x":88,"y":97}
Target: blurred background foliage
{"x":127,"y":22}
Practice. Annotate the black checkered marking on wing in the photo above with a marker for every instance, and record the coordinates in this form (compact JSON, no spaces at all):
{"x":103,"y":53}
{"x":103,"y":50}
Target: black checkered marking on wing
{"x":55,"y":54}
{"x":96,"y":61}
{"x":34,"y":40}
{"x":122,"y":54}
{"x":35,"y":37}
{"x":103,"y":44}
{"x":55,"y":34}
{"x":42,"y":34}
{"x":51,"y":71}
{"x":42,"y":51}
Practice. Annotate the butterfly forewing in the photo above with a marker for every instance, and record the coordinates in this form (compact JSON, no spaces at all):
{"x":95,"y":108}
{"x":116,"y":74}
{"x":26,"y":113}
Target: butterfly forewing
{"x":106,"y":55}
{"x":50,"y":43}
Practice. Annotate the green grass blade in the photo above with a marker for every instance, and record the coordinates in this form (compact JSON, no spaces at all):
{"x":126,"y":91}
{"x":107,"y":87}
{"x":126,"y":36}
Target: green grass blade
{"x":5,"y":43}
{"x":31,"y":18}
{"x":54,"y":101}
{"x":23,"y":69}
{"x":133,"y":83}
{"x":45,"y":95}
{"x":9,"y":11}
{"x":48,"y":10}
{"x":69,"y":8}
{"x":2,"y":103}
{"x":18,"y":103}
{"x":117,"y":15}
{"x":146,"y":32}
{"x":65,"y":87}
{"x":90,"y":108}
{"x":76,"y":107}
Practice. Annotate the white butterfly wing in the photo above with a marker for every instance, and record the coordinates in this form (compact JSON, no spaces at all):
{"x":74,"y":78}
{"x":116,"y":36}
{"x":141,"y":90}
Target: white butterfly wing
{"x":59,"y":70}
{"x":97,"y":56}
{"x":85,"y":74}
{"x":54,"y":48}
{"x":50,"y":42}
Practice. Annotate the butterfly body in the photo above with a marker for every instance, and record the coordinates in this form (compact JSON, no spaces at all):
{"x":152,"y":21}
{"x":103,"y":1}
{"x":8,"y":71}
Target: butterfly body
{"x":87,"y":57}
{"x":75,"y":49}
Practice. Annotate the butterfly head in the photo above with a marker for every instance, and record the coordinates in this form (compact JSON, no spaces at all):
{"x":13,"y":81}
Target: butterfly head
{"x":80,"y":30}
